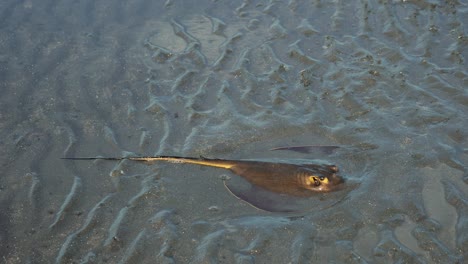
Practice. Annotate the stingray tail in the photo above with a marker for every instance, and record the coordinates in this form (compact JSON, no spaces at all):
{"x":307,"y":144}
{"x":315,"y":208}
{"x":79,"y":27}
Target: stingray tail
{"x":219,"y":163}
{"x":92,"y":158}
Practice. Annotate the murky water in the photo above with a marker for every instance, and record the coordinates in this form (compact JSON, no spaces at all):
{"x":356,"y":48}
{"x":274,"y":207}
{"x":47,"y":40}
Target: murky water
{"x":385,"y":80}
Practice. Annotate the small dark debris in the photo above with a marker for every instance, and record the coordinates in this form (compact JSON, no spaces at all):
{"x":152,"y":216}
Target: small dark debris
{"x":304,"y":80}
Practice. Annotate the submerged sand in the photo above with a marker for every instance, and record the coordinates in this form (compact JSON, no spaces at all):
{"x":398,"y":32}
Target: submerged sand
{"x":231,"y":79}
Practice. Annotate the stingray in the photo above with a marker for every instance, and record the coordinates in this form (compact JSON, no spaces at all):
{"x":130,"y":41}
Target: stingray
{"x":269,"y":186}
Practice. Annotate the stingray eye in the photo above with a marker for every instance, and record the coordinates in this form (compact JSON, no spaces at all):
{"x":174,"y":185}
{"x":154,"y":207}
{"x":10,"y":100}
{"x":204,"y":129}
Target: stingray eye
{"x":324,"y":180}
{"x":316,"y":182}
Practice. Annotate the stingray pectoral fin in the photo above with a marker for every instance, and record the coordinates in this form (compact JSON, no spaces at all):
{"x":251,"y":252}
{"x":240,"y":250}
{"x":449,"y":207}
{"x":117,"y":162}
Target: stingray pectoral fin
{"x":265,"y":200}
{"x":326,"y":149}
{"x":257,"y":198}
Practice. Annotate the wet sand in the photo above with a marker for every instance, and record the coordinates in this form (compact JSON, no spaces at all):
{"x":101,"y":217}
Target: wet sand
{"x":231,"y":79}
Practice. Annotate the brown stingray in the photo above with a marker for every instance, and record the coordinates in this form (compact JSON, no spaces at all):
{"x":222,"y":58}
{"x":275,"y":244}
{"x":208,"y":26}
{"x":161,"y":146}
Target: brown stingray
{"x":272,"y":186}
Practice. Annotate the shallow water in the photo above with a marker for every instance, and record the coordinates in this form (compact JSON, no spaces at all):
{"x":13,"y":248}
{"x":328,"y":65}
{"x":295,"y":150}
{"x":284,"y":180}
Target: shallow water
{"x":386,"y":80}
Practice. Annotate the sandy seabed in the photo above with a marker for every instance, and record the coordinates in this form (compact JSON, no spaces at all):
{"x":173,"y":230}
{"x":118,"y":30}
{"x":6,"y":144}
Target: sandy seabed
{"x":385,"y":80}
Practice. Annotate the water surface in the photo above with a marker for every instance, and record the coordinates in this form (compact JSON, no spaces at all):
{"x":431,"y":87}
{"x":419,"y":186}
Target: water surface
{"x":231,"y":79}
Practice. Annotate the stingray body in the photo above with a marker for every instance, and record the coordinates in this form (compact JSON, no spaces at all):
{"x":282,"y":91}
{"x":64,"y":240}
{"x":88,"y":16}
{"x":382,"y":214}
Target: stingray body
{"x":269,"y":181}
